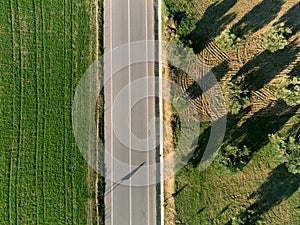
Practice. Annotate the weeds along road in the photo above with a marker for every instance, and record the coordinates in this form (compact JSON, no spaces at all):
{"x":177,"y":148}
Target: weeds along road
{"x":126,"y":202}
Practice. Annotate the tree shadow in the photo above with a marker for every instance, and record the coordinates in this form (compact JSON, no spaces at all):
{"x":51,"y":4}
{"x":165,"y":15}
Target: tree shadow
{"x":295,"y":131}
{"x":221,"y":70}
{"x":212,"y":23}
{"x":200,"y":210}
{"x":176,"y":193}
{"x":261,"y":15}
{"x":295,"y":72}
{"x":280,"y":185}
{"x":194,"y":90}
{"x":224,"y":209}
{"x":200,"y":148}
{"x":292,"y":18}
{"x":254,"y":132}
{"x":262,"y":69}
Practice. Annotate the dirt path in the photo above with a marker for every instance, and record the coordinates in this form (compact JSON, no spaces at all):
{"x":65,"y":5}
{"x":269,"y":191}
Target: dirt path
{"x":169,"y":184}
{"x":92,"y":176}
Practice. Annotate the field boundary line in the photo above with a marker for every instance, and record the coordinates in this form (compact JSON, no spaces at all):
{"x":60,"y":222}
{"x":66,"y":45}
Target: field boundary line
{"x":90,"y":176}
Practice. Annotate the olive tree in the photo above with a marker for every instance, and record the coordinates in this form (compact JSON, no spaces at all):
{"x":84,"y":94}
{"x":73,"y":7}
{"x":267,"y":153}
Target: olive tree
{"x":275,"y":37}
{"x":286,"y":150}
{"x":288,"y":90}
{"x":229,"y":40}
{"x":236,"y":96}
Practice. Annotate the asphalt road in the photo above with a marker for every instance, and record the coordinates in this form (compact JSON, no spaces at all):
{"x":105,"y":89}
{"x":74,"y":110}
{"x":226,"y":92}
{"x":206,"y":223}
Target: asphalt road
{"x":127,"y":21}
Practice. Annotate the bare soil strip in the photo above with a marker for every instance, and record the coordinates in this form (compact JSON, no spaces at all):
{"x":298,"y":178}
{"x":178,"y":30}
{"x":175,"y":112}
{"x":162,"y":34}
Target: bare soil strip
{"x":92,"y":176}
{"x":169,"y":184}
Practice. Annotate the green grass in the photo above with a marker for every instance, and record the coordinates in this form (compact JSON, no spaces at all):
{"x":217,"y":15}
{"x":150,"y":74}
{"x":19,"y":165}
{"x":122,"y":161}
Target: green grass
{"x":44,"y":52}
{"x":216,"y":195}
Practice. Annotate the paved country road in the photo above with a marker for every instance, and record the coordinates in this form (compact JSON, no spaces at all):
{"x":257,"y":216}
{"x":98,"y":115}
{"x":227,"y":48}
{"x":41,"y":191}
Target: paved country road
{"x":127,"y":21}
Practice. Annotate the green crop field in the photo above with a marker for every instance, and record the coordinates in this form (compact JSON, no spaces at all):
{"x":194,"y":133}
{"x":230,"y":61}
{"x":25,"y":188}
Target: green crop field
{"x":45,"y":49}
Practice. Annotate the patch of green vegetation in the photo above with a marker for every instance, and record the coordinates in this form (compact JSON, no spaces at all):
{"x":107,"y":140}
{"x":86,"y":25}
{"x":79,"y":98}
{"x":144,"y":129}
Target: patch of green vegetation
{"x":252,"y":196}
{"x":184,"y":17}
{"x":178,"y":55}
{"x":175,"y":123}
{"x":236,"y":96}
{"x":233,"y":157}
{"x":275,"y":37}
{"x":288,"y":90}
{"x":229,"y":40}
{"x":287,"y":151}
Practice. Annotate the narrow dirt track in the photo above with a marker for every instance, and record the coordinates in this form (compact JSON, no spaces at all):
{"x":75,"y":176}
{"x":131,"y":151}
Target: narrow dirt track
{"x":92,"y":176}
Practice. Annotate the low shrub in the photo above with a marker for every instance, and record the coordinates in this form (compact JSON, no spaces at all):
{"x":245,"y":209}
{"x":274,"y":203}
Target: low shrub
{"x":275,"y":37}
{"x":234,"y":157}
{"x":288,"y":90}
{"x":286,"y":150}
{"x":229,"y":40}
{"x":236,"y":97}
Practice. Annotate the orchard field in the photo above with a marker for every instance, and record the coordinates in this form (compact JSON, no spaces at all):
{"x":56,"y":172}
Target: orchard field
{"x":45,"y":46}
{"x":248,"y":182}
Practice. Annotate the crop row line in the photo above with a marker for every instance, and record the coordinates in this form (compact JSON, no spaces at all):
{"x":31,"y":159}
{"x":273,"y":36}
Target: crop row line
{"x":44,"y":120}
{"x":20,"y":119}
{"x":13,"y":109}
{"x":65,"y":119}
{"x":71,"y":100}
{"x":37,"y":111}
{"x":12,"y":28}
